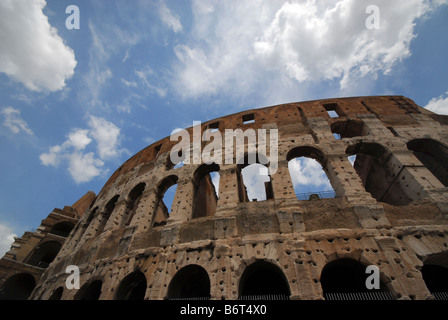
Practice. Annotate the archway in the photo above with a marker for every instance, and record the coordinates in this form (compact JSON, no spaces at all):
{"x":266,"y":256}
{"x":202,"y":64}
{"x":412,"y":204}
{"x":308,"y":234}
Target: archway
{"x":375,"y":168}
{"x":90,"y":291}
{"x":263,"y":281}
{"x":104,"y":217}
{"x":435,"y":275}
{"x":44,"y":254}
{"x":190,"y":282}
{"x":254,"y":180}
{"x":308,"y":174}
{"x":166,"y":192}
{"x":18,"y":287}
{"x":62,"y":229}
{"x":132,"y":287}
{"x":57,"y":294}
{"x":132,"y":202}
{"x":205,"y":195}
{"x":345,"y":279}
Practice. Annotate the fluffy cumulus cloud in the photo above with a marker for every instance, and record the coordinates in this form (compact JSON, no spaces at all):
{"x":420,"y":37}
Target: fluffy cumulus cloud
{"x":248,"y":46}
{"x":14,"y":122}
{"x":308,"y":173}
{"x":6,"y":239}
{"x":83,"y":164}
{"x":254,"y":178}
{"x":439,"y":105}
{"x":31,"y":51}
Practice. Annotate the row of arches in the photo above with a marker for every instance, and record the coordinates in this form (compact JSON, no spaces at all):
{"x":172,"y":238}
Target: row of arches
{"x":342,"y":279}
{"x":372,"y":162}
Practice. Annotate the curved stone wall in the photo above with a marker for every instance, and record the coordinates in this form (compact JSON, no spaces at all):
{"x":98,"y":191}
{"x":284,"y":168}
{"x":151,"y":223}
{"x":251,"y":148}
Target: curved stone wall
{"x":390,"y":210}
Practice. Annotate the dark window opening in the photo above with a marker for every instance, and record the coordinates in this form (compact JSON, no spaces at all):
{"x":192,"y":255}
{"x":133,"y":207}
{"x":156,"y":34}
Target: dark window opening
{"x":333,"y":110}
{"x":157,"y":150}
{"x":190,"y":282}
{"x":263,"y":281}
{"x":205,"y":190}
{"x":345,"y":279}
{"x":248,"y":118}
{"x":18,"y":287}
{"x":213,"y":126}
{"x":132,"y":287}
{"x":44,"y":254}
{"x":348,"y":129}
{"x":62,"y":229}
{"x":90,"y":291}
{"x":435,"y":275}
{"x":57,"y":294}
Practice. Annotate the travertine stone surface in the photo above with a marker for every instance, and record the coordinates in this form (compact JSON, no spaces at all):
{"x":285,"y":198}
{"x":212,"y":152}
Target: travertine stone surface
{"x":390,"y":208}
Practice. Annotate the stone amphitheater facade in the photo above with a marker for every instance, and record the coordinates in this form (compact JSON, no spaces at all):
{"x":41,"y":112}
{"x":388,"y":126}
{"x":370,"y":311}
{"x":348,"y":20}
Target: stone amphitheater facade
{"x":390,"y":210}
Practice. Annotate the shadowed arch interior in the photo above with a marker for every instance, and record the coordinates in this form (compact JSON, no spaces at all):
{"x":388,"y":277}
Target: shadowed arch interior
{"x":132,"y":287}
{"x":263,"y":279}
{"x":190,"y":282}
{"x":18,"y":287}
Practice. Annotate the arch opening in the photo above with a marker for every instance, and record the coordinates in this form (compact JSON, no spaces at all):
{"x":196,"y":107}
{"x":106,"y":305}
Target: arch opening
{"x":254,"y":180}
{"x":345,"y":279}
{"x":375,"y":168}
{"x":132,"y":287}
{"x":62,"y":229}
{"x":90,"y":291}
{"x":133,"y":200}
{"x":190,"y":282}
{"x":435,"y":275}
{"x":18,"y":287}
{"x":166,"y":192}
{"x":433,"y":155}
{"x":44,"y":254}
{"x":108,"y":209}
{"x":57,"y":294}
{"x":206,"y":180}
{"x":263,"y":281}
{"x":308,"y":176}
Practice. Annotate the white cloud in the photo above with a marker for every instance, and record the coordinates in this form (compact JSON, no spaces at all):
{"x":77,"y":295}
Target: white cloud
{"x":106,"y":135}
{"x":169,"y":19}
{"x":14,"y":122}
{"x":6,"y":239}
{"x":307,"y":172}
{"x":254,"y":177}
{"x":82,"y":165}
{"x":32,"y":52}
{"x":277,"y":47}
{"x":438,"y":105}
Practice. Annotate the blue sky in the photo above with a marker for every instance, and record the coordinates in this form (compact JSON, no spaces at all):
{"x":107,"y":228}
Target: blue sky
{"x":75,"y":104}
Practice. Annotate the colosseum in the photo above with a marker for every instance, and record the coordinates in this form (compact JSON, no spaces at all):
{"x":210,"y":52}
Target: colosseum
{"x":389,"y":209}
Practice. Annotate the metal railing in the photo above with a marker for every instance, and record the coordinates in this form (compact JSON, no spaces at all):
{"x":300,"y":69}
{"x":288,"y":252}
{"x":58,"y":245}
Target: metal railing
{"x":440,"y":295}
{"x":366,"y":296}
{"x":316,"y":195}
{"x":265,"y":297}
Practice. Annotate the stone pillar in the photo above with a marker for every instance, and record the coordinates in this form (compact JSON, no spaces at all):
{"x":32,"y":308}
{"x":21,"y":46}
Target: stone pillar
{"x":282,"y":183}
{"x":182,"y":207}
{"x":145,"y":212}
{"x":228,"y":188}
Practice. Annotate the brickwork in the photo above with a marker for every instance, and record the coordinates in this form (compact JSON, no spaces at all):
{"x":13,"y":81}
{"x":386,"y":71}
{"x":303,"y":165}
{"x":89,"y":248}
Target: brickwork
{"x":390,"y":210}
